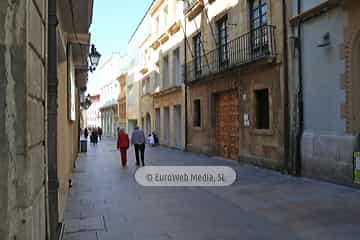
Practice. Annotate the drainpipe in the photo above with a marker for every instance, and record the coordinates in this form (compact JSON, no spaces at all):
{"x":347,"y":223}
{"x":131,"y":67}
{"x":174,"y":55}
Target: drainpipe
{"x":300,"y":97}
{"x":286,"y":90}
{"x":52,"y":87}
{"x":186,"y":90}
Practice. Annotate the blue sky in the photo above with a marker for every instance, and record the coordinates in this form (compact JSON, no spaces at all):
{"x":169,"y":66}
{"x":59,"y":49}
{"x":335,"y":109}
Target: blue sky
{"x":114,"y":21}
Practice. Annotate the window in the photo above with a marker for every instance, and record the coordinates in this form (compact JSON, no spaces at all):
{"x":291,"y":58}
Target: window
{"x":262,"y":109}
{"x":157,"y":121}
{"x":157,"y":78}
{"x":165,"y":72}
{"x":176,"y":64}
{"x":222,"y":40}
{"x":258,"y":22}
{"x":147,"y":85}
{"x":165,"y":19}
{"x":197,"y":54}
{"x":197,"y":113}
{"x":157,"y":23}
{"x":144,"y":86}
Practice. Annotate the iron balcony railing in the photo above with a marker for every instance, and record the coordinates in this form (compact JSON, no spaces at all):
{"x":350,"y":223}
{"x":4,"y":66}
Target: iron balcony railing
{"x":254,"y":45}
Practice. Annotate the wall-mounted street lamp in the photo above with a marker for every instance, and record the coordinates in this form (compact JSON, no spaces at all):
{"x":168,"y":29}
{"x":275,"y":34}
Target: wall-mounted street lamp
{"x":86,"y":103}
{"x":94,"y":57}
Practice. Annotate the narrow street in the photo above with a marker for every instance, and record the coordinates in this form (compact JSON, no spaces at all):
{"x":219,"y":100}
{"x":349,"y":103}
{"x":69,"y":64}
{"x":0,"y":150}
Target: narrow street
{"x":105,"y":203}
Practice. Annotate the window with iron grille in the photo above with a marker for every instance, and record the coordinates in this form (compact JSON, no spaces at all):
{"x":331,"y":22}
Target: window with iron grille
{"x":222,"y":40}
{"x":262,"y":120}
{"x":197,"y":54}
{"x":258,"y":23}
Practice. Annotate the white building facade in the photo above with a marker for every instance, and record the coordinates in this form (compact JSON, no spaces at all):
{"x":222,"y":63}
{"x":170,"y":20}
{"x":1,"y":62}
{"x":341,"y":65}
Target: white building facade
{"x":109,"y":92}
{"x":323,"y":48}
{"x":93,"y":115}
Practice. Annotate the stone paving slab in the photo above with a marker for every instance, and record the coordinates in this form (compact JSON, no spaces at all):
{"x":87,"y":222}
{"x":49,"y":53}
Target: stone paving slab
{"x":84,"y":224}
{"x":81,"y":236}
{"x":262,"y":204}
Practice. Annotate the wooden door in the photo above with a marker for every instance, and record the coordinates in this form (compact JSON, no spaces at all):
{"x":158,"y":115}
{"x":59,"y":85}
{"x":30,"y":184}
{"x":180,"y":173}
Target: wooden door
{"x":227,"y":124}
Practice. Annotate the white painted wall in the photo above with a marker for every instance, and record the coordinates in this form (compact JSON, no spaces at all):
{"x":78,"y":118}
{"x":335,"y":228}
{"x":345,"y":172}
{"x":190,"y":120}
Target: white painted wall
{"x":322,"y":69}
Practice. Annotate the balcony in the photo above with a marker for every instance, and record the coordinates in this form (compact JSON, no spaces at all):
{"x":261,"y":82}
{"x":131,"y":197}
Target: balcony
{"x":193,"y":8}
{"x":252,"y":46}
{"x":144,"y":70}
{"x":174,"y":28}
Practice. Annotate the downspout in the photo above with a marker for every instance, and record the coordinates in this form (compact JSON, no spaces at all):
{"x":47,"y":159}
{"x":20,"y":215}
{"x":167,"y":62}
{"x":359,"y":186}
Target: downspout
{"x":52,"y":87}
{"x":286,"y":90}
{"x":300,"y":96}
{"x":186,"y":88}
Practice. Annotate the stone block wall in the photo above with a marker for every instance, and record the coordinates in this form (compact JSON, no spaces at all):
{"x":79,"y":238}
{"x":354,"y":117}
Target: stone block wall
{"x":170,"y":100}
{"x":264,"y":148}
{"x":23,"y":119}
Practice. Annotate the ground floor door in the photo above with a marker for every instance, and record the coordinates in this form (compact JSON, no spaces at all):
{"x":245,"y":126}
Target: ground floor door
{"x":178,"y":132}
{"x":158,"y":122}
{"x":227,"y":124}
{"x":166,"y":126}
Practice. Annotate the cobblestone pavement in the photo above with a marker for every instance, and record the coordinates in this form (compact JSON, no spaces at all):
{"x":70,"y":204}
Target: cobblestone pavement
{"x":106,"y":203}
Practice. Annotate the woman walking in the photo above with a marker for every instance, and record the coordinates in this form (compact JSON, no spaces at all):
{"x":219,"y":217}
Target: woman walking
{"x":123,"y":144}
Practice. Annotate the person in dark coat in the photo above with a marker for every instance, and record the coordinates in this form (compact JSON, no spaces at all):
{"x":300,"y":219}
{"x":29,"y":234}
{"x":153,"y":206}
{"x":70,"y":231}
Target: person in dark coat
{"x":99,"y":131}
{"x":138,"y":140}
{"x":86,"y":133}
{"x":123,"y":145}
{"x":94,"y":136}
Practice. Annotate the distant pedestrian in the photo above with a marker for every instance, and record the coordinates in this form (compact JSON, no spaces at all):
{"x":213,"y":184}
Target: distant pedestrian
{"x":99,"y":130}
{"x":123,"y":145}
{"x":138,"y":140}
{"x":94,"y":136}
{"x":86,"y":133}
{"x":151,"y":140}
{"x":156,"y":139}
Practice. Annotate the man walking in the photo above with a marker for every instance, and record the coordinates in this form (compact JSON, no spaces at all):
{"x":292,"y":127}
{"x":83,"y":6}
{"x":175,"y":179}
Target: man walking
{"x":138,"y":140}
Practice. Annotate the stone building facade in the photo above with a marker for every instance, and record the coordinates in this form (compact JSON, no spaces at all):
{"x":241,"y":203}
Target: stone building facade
{"x":36,"y":162}
{"x":325,"y":100}
{"x":93,"y":112}
{"x":122,"y":100}
{"x":235,"y":79}
{"x":109,"y":71}
{"x":23,"y":157}
{"x":72,"y":73}
{"x":162,"y":96}
{"x":138,"y":70}
{"x":147,"y":84}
